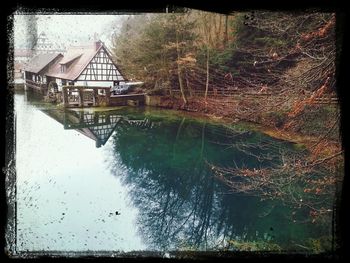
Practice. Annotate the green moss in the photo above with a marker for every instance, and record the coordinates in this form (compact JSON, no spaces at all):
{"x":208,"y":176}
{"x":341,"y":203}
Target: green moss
{"x":103,"y":104}
{"x":299,"y":147}
{"x":60,"y":106}
{"x":259,"y":245}
{"x":320,"y":245}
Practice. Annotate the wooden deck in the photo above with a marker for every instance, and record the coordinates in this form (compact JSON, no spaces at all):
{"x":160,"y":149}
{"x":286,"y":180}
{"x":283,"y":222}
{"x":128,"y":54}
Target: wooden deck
{"x":81,"y":96}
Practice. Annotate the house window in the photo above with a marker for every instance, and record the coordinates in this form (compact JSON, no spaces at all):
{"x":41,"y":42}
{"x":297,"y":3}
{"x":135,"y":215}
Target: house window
{"x":64,"y":82}
{"x":63,"y":68}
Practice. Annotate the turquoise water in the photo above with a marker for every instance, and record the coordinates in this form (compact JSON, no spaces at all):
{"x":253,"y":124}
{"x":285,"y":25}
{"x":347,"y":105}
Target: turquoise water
{"x":77,"y":168}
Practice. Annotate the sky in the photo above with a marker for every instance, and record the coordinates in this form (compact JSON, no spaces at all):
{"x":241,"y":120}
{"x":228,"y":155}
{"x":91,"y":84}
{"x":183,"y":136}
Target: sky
{"x":65,"y":29}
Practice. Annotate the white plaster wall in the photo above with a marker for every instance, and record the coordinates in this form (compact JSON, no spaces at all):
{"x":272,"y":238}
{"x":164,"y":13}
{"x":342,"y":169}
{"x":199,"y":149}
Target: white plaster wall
{"x":94,"y":83}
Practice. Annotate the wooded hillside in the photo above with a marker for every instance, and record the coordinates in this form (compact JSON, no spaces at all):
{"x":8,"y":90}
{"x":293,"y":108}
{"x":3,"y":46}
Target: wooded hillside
{"x":198,"y":50}
{"x":274,"y":68}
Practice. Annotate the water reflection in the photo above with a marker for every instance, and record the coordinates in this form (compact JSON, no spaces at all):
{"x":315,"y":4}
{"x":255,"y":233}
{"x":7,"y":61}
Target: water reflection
{"x":66,"y":198}
{"x":162,"y":162}
{"x":182,"y":205}
{"x":96,"y":125}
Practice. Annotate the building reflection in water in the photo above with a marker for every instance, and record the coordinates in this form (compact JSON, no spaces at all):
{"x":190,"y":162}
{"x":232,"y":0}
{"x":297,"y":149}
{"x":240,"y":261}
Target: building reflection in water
{"x":181,"y":205}
{"x":98,"y":125}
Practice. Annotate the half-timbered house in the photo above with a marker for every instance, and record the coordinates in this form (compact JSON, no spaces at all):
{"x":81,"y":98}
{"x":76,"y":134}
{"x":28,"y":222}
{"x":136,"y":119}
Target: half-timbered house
{"x":90,"y":65}
{"x":86,"y":66}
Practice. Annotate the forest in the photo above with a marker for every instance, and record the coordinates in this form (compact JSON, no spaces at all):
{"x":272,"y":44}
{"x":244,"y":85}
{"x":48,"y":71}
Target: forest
{"x":273,"y":69}
{"x":202,"y":61}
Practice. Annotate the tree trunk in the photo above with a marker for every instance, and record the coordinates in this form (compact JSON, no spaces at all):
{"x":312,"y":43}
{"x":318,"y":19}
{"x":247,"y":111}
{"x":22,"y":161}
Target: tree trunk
{"x":189,"y":86}
{"x":207,"y":82}
{"x":179,"y":71}
{"x":170,"y":88}
{"x":226,"y":31}
{"x":215,"y":35}
{"x":219,"y":33}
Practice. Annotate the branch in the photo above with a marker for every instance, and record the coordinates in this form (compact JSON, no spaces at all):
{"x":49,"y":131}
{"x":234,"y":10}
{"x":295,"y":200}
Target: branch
{"x":320,"y":161}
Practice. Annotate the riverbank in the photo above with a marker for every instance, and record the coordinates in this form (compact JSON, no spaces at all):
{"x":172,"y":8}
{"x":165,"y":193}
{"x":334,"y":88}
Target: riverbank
{"x":317,"y":128}
{"x":311,"y":131}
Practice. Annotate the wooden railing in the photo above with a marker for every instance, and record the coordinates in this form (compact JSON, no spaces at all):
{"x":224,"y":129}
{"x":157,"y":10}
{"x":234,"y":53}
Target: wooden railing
{"x":225,"y":93}
{"x":236,"y":94}
{"x":80,"y":96}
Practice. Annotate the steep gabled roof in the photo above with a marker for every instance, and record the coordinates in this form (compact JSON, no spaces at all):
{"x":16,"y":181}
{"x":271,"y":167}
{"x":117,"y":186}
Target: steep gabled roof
{"x":80,"y":62}
{"x":69,"y":57}
{"x":76,"y":59}
{"x":39,"y":62}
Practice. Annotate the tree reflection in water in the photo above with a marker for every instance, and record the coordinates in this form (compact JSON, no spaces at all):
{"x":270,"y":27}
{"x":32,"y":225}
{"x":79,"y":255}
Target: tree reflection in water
{"x":163,"y":160}
{"x":181,"y":204}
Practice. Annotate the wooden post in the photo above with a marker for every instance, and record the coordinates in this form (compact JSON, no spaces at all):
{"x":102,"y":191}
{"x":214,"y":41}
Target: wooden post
{"x":95,"y":99}
{"x":108,"y":119}
{"x":81,"y":117}
{"x":25,"y":80}
{"x":108,"y":95}
{"x":81,"y":98}
{"x":96,"y":118}
{"x":65,"y":96}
